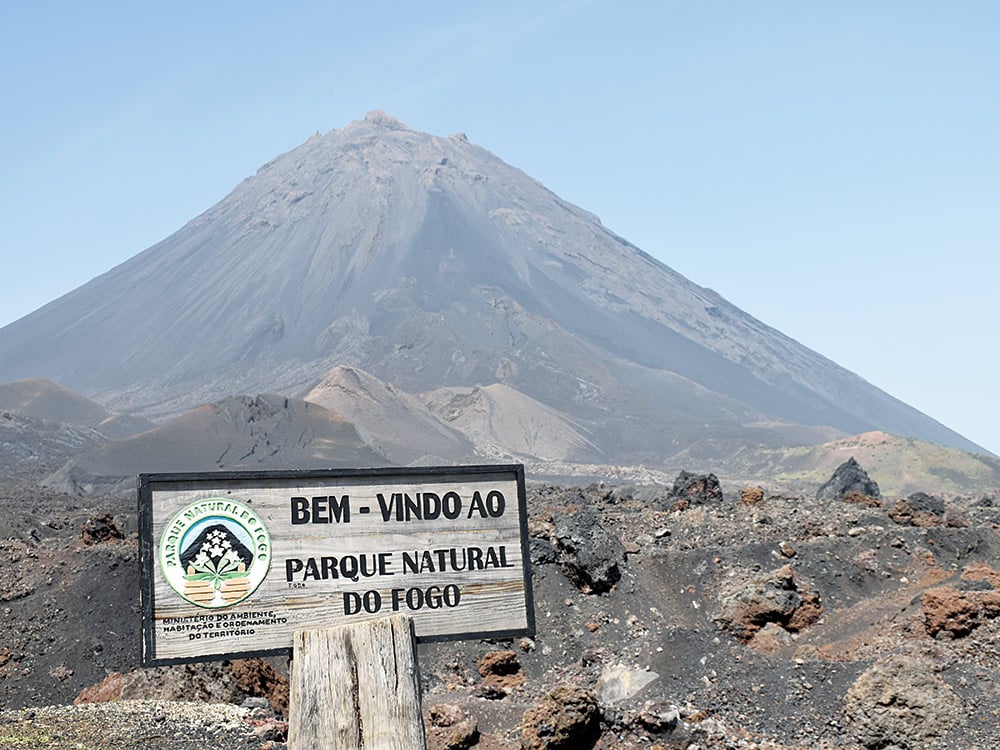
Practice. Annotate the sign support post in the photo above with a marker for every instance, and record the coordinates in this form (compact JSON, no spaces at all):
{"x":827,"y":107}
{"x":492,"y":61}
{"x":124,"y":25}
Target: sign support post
{"x":356,"y":686}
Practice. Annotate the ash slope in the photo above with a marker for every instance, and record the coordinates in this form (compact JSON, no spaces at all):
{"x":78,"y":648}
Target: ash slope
{"x":266,"y":432}
{"x":394,"y":422}
{"x":48,"y":401}
{"x":505,"y":424}
{"x":429,"y":262}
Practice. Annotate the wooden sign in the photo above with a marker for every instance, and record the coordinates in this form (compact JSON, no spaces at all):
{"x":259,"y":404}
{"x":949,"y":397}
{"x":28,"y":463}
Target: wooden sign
{"x":234,"y":563}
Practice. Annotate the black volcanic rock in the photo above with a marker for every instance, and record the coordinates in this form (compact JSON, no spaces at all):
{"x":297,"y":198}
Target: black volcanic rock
{"x":697,"y":489}
{"x":918,"y":509}
{"x":696,"y":614}
{"x":428,"y":262}
{"x":589,"y":555}
{"x":101,"y":529}
{"x":922,"y":502}
{"x":848,"y":477}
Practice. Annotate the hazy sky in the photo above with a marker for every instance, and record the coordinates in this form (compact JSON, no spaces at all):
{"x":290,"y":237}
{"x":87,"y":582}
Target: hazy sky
{"x":833,"y":168}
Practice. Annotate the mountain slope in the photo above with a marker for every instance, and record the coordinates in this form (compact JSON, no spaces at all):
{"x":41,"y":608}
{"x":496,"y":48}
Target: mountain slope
{"x":266,"y":432}
{"x":396,"y":422}
{"x":429,"y":262}
{"x":27,"y":442}
{"x":506,"y":424}
{"x":43,"y":399}
{"x":899,"y":465}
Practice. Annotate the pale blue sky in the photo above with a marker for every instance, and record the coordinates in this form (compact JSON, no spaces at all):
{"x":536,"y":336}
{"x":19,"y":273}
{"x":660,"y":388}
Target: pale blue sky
{"x":833,"y":168}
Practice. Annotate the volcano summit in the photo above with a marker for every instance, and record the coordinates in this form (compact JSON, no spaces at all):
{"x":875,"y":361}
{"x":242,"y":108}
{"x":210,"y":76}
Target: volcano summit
{"x":429,"y":263}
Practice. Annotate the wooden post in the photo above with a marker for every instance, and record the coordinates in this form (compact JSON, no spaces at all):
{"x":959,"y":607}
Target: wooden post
{"x":356,"y":686}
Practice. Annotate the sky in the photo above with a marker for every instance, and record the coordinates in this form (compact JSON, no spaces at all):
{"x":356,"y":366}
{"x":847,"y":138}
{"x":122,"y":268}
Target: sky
{"x":832,"y":168}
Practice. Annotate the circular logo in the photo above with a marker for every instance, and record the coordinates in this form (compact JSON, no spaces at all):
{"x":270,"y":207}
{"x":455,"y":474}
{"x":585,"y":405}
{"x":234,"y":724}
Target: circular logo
{"x":215,"y":552}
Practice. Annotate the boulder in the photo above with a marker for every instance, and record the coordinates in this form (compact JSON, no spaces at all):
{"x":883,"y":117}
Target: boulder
{"x":109,"y":689}
{"x":919,"y":509}
{"x":566,"y":719}
{"x":780,"y":597}
{"x":445,"y":714}
{"x":501,"y":669}
{"x":460,"y":736}
{"x":957,"y":613}
{"x":848,"y":477}
{"x":659,"y":717}
{"x":256,"y":677}
{"x":619,"y":683}
{"x":498,"y":663}
{"x":900,"y":702}
{"x":771,"y":639}
{"x":589,"y":555}
{"x":230,"y":682}
{"x":449,"y":728}
{"x":696,"y":489}
{"x":100,"y":529}
{"x":921,"y":502}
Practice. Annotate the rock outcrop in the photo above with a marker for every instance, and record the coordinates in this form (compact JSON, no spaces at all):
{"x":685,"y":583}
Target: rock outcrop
{"x":696,"y":489}
{"x":848,"y":478}
{"x":919,"y":509}
{"x":589,"y":555}
{"x":952,"y":612}
{"x":780,"y":598}
{"x":566,"y":719}
{"x":900,"y":702}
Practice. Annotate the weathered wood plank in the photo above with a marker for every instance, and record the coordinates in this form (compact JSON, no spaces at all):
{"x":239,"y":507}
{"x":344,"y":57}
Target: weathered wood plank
{"x":343,"y":550}
{"x":356,"y":686}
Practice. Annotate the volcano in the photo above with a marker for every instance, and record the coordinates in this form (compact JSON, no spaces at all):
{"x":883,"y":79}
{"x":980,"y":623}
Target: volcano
{"x":430,"y":263}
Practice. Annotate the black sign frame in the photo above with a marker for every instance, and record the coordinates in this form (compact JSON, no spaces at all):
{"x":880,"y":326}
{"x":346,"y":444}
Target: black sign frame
{"x":149,"y":482}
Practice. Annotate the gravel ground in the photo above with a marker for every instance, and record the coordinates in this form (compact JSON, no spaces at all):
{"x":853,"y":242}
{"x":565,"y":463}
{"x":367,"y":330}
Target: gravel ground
{"x":133,"y":725}
{"x":669,"y":615}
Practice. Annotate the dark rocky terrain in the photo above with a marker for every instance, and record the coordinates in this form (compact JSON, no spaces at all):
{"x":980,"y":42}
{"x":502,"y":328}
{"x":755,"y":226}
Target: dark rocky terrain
{"x":700,"y":614}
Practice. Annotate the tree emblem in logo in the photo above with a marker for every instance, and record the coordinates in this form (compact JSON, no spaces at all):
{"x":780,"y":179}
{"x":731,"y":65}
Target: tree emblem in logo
{"x":215,"y":552}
